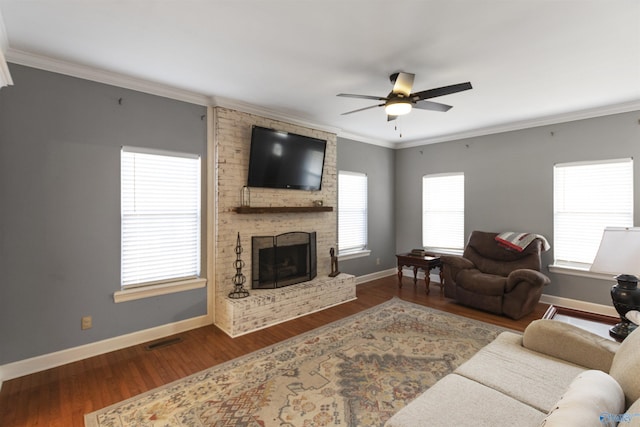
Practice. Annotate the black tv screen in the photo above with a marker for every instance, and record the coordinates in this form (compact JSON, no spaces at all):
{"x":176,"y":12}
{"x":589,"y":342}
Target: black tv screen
{"x":285,"y":160}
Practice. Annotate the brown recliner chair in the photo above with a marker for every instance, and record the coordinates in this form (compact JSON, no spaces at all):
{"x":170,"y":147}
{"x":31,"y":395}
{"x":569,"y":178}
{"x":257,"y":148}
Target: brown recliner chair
{"x":493,"y":278}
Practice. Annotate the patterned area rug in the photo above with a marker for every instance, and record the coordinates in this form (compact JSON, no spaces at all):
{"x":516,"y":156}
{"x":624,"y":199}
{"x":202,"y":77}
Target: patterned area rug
{"x":358,"y":371}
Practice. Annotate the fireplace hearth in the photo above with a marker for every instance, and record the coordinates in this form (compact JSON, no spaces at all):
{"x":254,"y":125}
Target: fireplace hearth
{"x":283,"y":260}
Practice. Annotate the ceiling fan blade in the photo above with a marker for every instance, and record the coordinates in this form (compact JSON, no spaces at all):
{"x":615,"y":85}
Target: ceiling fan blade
{"x":350,"y":95}
{"x":403,"y":83}
{"x":433,"y":106}
{"x":441,"y":91}
{"x":361,"y":109}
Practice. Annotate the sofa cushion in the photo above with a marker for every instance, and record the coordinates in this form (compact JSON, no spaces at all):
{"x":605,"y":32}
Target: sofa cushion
{"x":593,"y":399}
{"x":570,"y":343}
{"x":632,"y":416}
{"x":458,"y":401}
{"x":626,"y":365}
{"x":525,"y":375}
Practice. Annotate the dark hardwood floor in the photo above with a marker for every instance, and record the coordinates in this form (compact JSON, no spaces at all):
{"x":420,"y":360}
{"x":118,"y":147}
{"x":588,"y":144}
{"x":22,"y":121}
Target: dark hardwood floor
{"x":61,"y":396}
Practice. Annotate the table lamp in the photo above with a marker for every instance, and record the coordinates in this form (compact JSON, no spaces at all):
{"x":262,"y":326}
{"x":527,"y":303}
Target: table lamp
{"x":619,"y":253}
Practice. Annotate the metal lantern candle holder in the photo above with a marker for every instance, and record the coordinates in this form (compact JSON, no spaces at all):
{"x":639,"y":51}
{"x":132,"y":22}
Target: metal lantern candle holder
{"x":238,"y":280}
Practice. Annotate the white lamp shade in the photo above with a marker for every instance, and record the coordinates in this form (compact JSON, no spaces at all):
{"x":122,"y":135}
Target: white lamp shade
{"x":619,"y":251}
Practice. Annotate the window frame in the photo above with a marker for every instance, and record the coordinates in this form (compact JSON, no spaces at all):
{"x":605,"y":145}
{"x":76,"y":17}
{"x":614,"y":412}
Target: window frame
{"x":354,"y":251}
{"x":181,"y":281}
{"x":458,"y":247}
{"x":577,"y":266}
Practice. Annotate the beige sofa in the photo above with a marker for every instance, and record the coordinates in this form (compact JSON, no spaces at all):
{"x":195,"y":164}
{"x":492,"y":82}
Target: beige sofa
{"x":555,"y":374}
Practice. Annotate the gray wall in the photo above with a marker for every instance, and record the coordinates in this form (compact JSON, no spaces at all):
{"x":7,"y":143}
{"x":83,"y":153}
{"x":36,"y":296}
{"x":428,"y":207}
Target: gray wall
{"x":509,"y":182}
{"x":60,"y":140}
{"x":378,"y":163}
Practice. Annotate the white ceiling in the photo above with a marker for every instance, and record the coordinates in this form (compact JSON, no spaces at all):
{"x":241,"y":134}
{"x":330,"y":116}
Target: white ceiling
{"x":530,"y":61}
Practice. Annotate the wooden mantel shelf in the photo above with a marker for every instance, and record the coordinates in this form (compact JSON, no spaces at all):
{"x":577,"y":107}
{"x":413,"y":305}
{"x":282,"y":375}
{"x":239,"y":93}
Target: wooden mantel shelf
{"x":281,"y":209}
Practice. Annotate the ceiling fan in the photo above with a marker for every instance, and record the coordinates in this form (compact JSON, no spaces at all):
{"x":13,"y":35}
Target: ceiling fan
{"x":400,"y":100}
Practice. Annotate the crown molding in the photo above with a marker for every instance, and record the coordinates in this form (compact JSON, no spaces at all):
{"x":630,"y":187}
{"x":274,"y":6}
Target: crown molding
{"x":5,"y":75}
{"x":364,"y":139}
{"x":232,"y":104}
{"x":4,"y":38}
{"x":590,"y":113}
{"x":115,"y":79}
{"x":111,"y":78}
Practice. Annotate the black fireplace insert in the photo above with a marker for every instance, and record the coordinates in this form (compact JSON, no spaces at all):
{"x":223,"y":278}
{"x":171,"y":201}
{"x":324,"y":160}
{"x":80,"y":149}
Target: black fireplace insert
{"x":283,"y":260}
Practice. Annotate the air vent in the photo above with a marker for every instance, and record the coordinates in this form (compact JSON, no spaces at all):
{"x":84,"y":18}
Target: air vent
{"x":163,"y":343}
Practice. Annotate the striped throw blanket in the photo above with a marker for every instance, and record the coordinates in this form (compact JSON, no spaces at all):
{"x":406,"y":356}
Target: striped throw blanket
{"x":519,"y":241}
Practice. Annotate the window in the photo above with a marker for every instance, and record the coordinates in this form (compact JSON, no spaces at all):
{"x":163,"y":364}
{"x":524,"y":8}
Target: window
{"x":160,"y":216}
{"x":352,"y":212}
{"x":443,"y":211}
{"x":587,"y":197}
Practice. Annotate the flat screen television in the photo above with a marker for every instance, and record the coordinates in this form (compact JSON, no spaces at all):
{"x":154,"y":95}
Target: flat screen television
{"x":285,"y":160}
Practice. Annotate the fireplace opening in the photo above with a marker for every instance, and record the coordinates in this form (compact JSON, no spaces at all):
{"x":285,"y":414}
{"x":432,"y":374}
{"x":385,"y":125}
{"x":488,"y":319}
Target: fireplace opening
{"x":283,"y":260}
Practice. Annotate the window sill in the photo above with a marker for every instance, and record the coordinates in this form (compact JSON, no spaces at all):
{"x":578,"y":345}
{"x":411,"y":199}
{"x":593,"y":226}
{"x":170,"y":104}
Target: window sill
{"x":442,"y":251}
{"x":156,"y":290}
{"x":354,"y":254}
{"x":579,"y":272}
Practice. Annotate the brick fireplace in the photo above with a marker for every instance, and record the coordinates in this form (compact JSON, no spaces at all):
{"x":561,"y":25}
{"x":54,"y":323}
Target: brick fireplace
{"x":265,"y":307}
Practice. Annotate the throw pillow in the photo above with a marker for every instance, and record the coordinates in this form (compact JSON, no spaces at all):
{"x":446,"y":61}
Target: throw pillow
{"x":593,"y":399}
{"x":626,"y":365}
{"x":570,"y":343}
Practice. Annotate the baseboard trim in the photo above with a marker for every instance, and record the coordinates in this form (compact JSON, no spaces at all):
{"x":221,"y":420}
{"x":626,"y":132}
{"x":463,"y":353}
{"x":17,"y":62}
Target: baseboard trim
{"x":590,"y":307}
{"x":47,"y":361}
{"x":377,"y":275}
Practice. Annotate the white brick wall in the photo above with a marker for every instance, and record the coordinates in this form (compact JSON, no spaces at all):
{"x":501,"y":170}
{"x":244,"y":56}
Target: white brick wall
{"x":266,"y":307}
{"x":232,"y":137}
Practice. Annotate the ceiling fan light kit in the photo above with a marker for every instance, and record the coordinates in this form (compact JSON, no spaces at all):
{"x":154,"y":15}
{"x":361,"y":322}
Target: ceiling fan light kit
{"x":397,"y":107}
{"x":401,"y":101}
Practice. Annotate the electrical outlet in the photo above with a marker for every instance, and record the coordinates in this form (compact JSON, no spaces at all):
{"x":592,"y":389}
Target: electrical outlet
{"x":377,"y":261}
{"x":87,"y":322}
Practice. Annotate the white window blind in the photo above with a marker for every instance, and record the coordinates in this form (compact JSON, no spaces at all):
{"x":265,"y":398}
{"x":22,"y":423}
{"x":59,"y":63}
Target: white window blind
{"x":352,"y":211}
{"x":589,"y":196}
{"x":160,"y":216}
{"x":443,"y":211}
